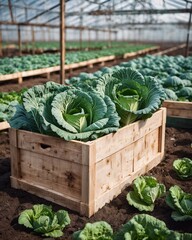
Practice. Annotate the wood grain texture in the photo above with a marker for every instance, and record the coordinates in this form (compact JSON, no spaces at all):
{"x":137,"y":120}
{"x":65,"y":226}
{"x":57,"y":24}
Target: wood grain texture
{"x":84,"y":176}
{"x":4,"y":125}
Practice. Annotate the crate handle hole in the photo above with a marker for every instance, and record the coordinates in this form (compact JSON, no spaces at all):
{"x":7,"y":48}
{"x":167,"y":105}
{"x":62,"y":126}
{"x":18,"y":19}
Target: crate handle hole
{"x":45,"y":146}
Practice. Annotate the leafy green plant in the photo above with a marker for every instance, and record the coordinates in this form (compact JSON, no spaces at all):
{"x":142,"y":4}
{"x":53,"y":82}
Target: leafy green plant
{"x":69,"y":113}
{"x":146,"y":191}
{"x":8,"y":102}
{"x":32,"y":62}
{"x":183,"y":168}
{"x":44,"y":221}
{"x":180,"y":202}
{"x":95,"y":231}
{"x":143,"y":227}
{"x":135,"y":97}
{"x":174,"y":73}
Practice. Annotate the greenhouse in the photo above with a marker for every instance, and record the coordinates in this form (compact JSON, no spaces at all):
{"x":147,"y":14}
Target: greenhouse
{"x":96,"y":119}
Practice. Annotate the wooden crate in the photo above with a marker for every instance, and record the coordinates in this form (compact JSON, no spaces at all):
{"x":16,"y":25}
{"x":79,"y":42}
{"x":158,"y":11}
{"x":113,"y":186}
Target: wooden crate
{"x":83,"y":176}
{"x":179,"y":114}
{"x":178,"y":109}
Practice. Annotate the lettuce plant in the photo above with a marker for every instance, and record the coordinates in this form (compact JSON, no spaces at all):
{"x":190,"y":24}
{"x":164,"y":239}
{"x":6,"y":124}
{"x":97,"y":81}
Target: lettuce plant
{"x":146,"y":227}
{"x":180,"y":202}
{"x":94,"y":231}
{"x":66,"y":112}
{"x":146,"y":191}
{"x":183,"y":167}
{"x":8,"y":102}
{"x":143,"y":227}
{"x":44,"y":221}
{"x":135,"y":97}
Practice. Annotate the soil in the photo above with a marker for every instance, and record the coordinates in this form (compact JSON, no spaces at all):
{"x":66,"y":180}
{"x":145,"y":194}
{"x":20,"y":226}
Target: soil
{"x":178,"y":144}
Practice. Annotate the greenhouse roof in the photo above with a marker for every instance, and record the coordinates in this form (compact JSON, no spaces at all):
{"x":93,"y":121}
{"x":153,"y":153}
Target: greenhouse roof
{"x":95,"y":14}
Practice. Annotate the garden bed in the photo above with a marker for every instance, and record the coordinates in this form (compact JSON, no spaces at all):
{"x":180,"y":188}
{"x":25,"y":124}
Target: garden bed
{"x":179,"y":114}
{"x":89,"y":63}
{"x":117,"y":212}
{"x":69,"y":172}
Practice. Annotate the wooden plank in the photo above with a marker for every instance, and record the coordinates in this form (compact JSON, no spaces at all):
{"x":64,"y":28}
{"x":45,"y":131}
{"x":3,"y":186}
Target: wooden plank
{"x":144,"y":51}
{"x":113,"y":169}
{"x":29,"y":73}
{"x":50,"y":146}
{"x":161,"y":137}
{"x":178,"y":109}
{"x":4,"y":125}
{"x":178,"y":105}
{"x":46,"y":193}
{"x":88,"y":180}
{"x":172,"y":49}
{"x":107,"y":196}
{"x":126,"y":135}
{"x":179,"y":113}
{"x":64,"y":176}
{"x":15,"y":154}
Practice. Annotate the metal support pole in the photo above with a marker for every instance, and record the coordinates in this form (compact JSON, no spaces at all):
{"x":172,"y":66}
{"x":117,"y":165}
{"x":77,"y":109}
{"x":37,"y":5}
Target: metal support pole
{"x":33,"y":40}
{"x":62,"y":41}
{"x":89,"y":38}
{"x":188,"y":33}
{"x":110,"y":37}
{"x":97,"y":37}
{"x":26,"y":14}
{"x":19,"y":40}
{"x":81,"y":31}
{"x":1,"y":51}
{"x":10,"y":10}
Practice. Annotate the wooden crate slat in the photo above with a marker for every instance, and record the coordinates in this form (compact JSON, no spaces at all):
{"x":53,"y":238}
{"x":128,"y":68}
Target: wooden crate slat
{"x":37,"y":168}
{"x":46,"y":193}
{"x":115,"y":191}
{"x":178,"y":109}
{"x":4,"y":125}
{"x":126,"y":135}
{"x":172,"y":49}
{"x":34,"y":142}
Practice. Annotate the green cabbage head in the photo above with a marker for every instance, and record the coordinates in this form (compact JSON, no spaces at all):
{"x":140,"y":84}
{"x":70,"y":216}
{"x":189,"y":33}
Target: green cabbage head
{"x":135,"y":97}
{"x":66,"y":112}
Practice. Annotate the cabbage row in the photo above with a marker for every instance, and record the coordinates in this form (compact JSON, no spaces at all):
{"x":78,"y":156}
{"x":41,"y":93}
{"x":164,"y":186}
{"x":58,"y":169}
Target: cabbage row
{"x":73,"y":45}
{"x":173,"y":73}
{"x":32,"y":62}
